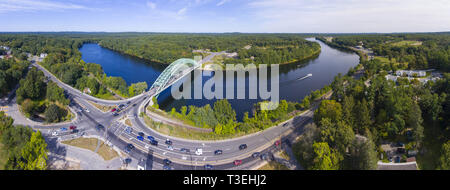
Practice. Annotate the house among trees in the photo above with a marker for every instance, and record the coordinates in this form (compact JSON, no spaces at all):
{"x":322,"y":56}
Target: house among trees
{"x":411,"y":73}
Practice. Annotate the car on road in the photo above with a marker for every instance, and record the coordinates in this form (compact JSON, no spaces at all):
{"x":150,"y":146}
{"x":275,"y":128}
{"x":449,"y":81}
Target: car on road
{"x":264,"y":156}
{"x":87,"y":110}
{"x":170,"y":147}
{"x":285,"y":124}
{"x":55,"y":133}
{"x":167,"y":162}
{"x":115,"y":114}
{"x":140,"y":138}
{"x":185,"y":150}
{"x":146,"y":146}
{"x":168,"y":142}
{"x":154,"y":143}
{"x":100,"y":127}
{"x":128,"y":102}
{"x":199,"y":151}
{"x":166,"y":167}
{"x":256,"y":154}
{"x":278,"y":143}
{"x":218,"y":152}
{"x":141,"y":134}
{"x":208,"y":167}
{"x":242,"y":146}
{"x":129,"y":148}
{"x":128,"y":130}
{"x":113,"y":110}
{"x":127,"y":161}
{"x":237,"y":162}
{"x":63,"y":129}
{"x":150,"y":138}
{"x":134,"y":105}
{"x":72,"y":127}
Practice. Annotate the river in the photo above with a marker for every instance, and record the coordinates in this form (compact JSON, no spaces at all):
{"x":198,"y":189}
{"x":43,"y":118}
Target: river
{"x":323,"y":68}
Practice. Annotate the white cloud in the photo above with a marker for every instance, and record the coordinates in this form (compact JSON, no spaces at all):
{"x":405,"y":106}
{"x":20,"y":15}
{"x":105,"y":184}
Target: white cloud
{"x":352,"y":15}
{"x":222,"y":2}
{"x":182,"y":11}
{"x":35,"y":5}
{"x":151,"y":5}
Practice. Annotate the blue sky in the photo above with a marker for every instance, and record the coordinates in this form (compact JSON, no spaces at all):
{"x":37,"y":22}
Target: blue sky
{"x":290,"y":16}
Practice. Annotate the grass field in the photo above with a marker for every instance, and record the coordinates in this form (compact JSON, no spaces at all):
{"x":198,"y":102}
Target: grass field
{"x":273,"y":166}
{"x":406,"y":43}
{"x":104,"y":108}
{"x":91,"y":144}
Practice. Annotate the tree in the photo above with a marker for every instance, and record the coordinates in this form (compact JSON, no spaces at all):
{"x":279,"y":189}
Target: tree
{"x":324,"y":157}
{"x":362,"y":116}
{"x":445,"y":157}
{"x":34,"y":154}
{"x":223,"y":111}
{"x":328,"y":109}
{"x":54,"y":113}
{"x":56,"y":94}
{"x":28,"y":107}
{"x":155,"y":102}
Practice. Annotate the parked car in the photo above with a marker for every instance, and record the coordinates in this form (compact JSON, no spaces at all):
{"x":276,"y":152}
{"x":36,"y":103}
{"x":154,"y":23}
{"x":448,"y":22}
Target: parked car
{"x":218,"y":152}
{"x":242,"y":146}
{"x":115,"y":114}
{"x":128,"y":102}
{"x":54,"y":133}
{"x":72,"y":127}
{"x":113,"y":110}
{"x":237,"y":162}
{"x":166,"y":167}
{"x":63,"y":129}
{"x":140,"y":138}
{"x":256,"y":154}
{"x":208,"y":167}
{"x":168,"y":142}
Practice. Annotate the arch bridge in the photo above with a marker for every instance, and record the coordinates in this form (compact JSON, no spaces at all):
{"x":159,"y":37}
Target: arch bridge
{"x":171,"y":74}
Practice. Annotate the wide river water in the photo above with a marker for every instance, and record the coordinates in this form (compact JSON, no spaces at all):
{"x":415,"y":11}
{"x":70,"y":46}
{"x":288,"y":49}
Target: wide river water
{"x":323,"y":68}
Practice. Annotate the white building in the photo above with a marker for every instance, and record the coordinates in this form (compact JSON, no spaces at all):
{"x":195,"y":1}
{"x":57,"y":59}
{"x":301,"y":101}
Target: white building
{"x":411,"y":73}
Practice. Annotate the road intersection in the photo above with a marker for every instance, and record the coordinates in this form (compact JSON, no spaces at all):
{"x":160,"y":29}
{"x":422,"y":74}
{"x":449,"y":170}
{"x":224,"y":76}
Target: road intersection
{"x":89,"y":117}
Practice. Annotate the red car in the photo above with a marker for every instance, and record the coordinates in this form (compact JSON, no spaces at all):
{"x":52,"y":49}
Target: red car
{"x":277,"y":143}
{"x":237,"y":162}
{"x":72,"y":127}
{"x":113,"y":110}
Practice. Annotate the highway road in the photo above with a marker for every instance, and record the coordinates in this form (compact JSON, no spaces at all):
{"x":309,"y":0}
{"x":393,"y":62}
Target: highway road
{"x":89,"y":117}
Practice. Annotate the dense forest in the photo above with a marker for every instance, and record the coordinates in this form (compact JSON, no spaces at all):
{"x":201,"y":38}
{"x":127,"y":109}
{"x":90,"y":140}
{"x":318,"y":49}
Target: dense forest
{"x":11,"y":71}
{"x":37,"y":96}
{"x":262,"y":48}
{"x":23,"y":148}
{"x":364,"y":113}
{"x":64,"y":61}
{"x":419,"y":51}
